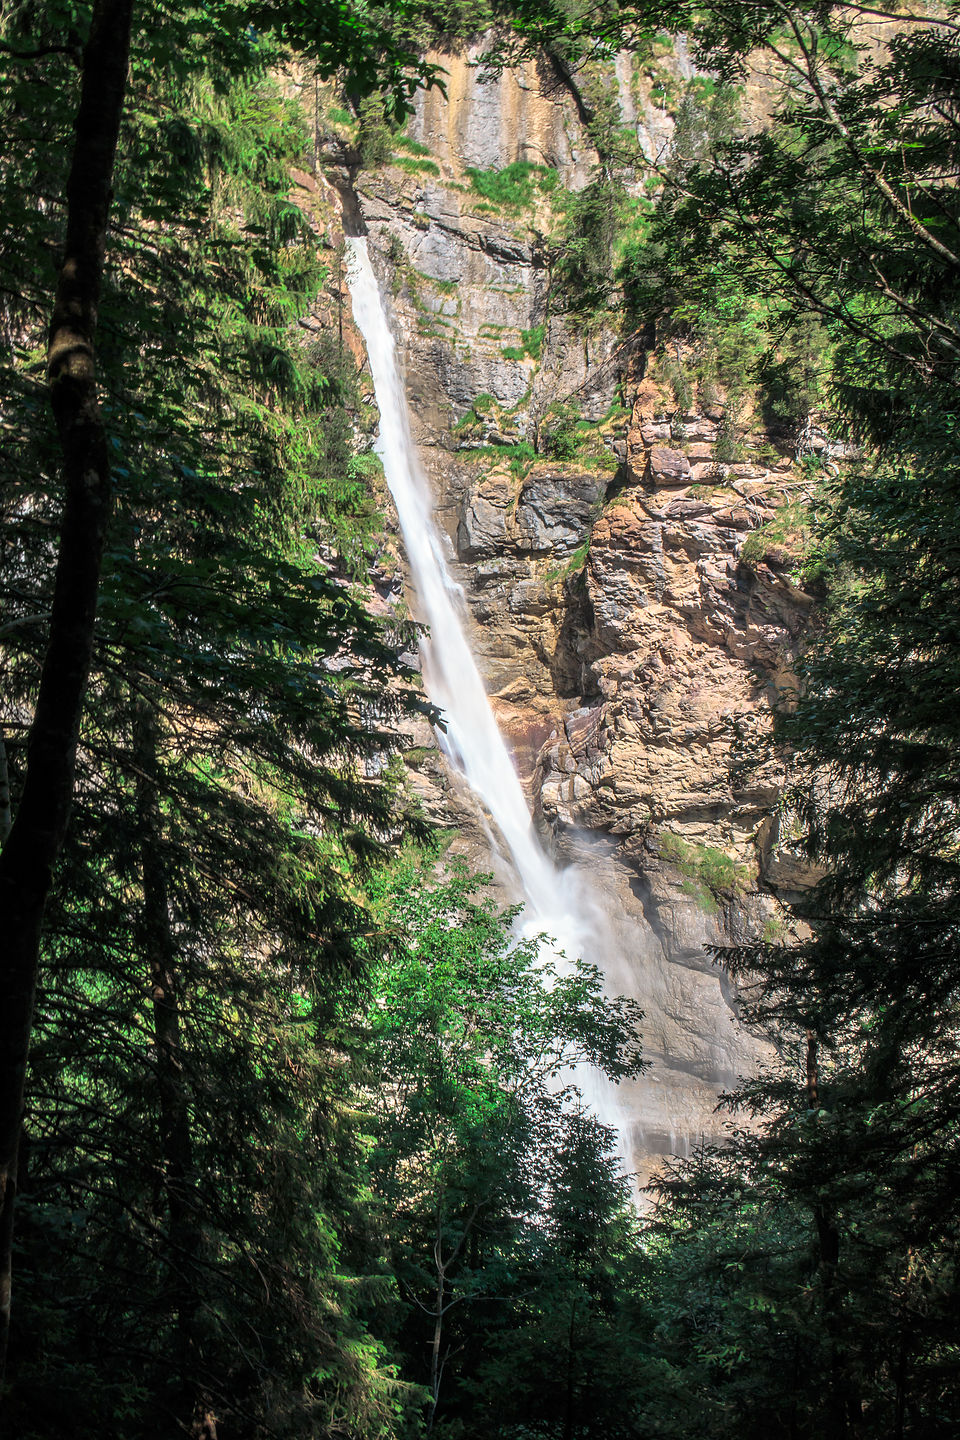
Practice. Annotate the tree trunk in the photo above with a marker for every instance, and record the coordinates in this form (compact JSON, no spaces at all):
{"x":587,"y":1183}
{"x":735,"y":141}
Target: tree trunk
{"x":900,"y":1404}
{"x":438,"y":1314}
{"x":569,"y":1386}
{"x":37,"y":834}
{"x":191,"y":1404}
{"x":841,"y":1401}
{"x":5,"y":813}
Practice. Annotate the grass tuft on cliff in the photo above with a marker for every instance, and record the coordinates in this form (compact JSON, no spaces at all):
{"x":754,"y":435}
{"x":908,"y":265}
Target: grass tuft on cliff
{"x":708,"y":872}
{"x":784,"y":541}
{"x":516,"y":186}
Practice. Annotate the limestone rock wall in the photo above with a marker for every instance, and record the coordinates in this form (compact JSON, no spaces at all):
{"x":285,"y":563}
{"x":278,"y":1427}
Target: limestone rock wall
{"x":627,"y":644}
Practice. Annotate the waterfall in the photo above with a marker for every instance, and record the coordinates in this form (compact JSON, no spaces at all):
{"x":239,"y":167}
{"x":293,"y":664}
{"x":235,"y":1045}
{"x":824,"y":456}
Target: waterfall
{"x":558,"y":902}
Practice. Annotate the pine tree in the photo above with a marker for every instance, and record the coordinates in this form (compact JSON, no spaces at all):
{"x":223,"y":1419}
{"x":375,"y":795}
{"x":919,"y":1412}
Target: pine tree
{"x":852,"y":1247}
{"x":190,"y":1159}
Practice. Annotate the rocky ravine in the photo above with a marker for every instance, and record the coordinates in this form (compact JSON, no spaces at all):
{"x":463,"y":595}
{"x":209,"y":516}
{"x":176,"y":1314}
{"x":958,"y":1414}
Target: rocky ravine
{"x":624,"y":640}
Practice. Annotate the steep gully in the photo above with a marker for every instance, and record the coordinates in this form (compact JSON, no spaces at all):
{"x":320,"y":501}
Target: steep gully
{"x":559,"y":903}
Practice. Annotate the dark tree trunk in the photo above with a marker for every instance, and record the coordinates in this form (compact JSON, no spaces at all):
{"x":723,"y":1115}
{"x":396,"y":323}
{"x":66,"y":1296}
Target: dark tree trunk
{"x":900,"y":1408}
{"x":37,"y":834}
{"x":841,"y":1409}
{"x":569,"y":1388}
{"x":191,"y":1404}
{"x":5,"y":814}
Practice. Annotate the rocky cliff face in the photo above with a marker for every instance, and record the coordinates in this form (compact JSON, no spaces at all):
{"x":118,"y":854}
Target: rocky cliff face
{"x":628,"y":641}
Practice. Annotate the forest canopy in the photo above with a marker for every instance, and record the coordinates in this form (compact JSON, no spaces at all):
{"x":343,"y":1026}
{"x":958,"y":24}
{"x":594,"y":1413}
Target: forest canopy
{"x":282,"y":1097}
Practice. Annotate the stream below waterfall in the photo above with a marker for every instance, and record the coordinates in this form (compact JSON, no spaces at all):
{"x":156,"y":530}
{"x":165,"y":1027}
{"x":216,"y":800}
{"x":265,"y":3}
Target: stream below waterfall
{"x":558,"y":902}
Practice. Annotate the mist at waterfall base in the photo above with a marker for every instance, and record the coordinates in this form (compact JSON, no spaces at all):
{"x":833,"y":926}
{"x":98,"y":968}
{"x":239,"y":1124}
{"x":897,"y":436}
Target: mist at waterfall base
{"x":558,"y":903}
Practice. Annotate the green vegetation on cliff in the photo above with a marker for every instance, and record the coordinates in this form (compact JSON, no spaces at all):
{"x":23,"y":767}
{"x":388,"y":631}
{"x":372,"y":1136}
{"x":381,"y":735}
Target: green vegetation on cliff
{"x":819,"y":1252}
{"x":177,"y":1162}
{"x":301,"y":1156}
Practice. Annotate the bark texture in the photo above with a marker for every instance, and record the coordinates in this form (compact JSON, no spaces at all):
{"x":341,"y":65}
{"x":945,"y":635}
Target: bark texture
{"x":39,"y":827}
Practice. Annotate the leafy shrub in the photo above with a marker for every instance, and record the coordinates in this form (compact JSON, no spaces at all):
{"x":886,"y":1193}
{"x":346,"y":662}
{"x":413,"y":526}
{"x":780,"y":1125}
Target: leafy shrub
{"x":374,"y":138}
{"x":786,"y":537}
{"x":560,"y":436}
{"x":675,"y":373}
{"x":584,"y":273}
{"x":728,"y":447}
{"x":395,"y":251}
{"x":792,"y":377}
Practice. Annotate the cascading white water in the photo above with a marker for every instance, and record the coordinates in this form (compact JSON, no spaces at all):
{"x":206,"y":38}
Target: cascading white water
{"x":557,"y":902}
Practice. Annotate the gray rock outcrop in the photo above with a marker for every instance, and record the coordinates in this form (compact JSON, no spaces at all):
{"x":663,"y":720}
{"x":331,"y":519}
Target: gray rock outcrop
{"x":627,"y":644}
